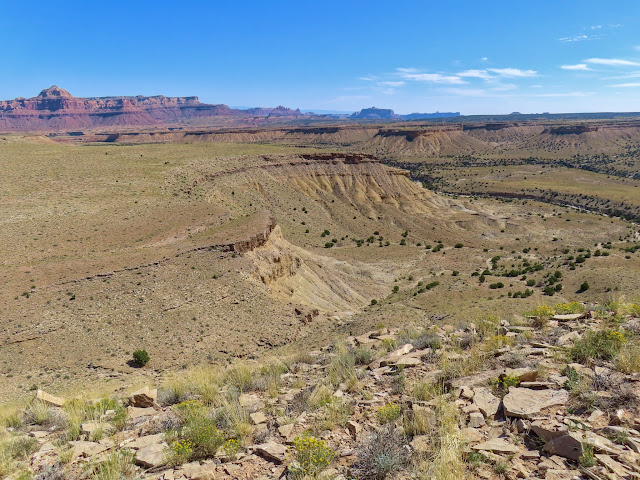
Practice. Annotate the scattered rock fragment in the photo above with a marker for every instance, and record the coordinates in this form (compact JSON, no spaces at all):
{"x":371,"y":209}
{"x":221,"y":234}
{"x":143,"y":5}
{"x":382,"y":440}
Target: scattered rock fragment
{"x":49,"y":399}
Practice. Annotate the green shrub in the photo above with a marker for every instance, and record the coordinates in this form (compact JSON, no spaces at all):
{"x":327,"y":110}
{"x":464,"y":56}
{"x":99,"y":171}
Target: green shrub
{"x":179,"y":452}
{"x":389,"y":413}
{"x":598,"y":345}
{"x":312,"y":456}
{"x":380,"y":454}
{"x":140,"y":358}
{"x":363,"y":355}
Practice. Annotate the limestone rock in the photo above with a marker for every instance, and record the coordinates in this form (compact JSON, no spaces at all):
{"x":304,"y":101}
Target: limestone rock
{"x":393,"y":357}
{"x":258,"y":418}
{"x":144,"y":398}
{"x":142,"y":442}
{"x":354,"y":429}
{"x":524,"y":402}
{"x":286,"y":431}
{"x":476,"y":420}
{"x":152,"y":455}
{"x":568,"y":317}
{"x":49,"y":399}
{"x":86,"y":449}
{"x":197,"y":471}
{"x":472,"y":435}
{"x":497,"y":445}
{"x":271,"y":451}
{"x":568,"y":446}
{"x":486,"y":401}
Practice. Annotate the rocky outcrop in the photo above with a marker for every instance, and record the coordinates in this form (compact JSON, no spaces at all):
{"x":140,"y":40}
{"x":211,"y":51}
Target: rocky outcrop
{"x":56,"y":109}
{"x":571,"y":129}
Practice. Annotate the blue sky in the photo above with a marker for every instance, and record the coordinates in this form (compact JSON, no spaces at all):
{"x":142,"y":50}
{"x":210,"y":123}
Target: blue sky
{"x":467,"y":56}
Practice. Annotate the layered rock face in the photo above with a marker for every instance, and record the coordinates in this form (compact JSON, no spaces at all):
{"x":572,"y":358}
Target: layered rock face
{"x":56,"y":109}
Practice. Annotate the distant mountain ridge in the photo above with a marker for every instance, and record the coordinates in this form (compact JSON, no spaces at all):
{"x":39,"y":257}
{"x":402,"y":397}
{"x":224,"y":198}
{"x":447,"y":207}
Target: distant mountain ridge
{"x":374,"y":113}
{"x":56,"y":109}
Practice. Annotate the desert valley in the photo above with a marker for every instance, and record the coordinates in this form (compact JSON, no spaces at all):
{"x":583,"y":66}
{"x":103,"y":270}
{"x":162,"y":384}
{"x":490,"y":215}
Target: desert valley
{"x":197,"y":291}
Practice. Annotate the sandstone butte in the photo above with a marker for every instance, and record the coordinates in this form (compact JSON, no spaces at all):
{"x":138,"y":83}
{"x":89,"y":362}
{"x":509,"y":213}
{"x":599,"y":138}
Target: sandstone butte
{"x":56,"y":109}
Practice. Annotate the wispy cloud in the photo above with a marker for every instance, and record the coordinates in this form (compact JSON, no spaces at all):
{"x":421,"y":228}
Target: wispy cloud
{"x":612,"y":62}
{"x":409,"y":74}
{"x":391,"y":84}
{"x":577,"y":38}
{"x":488,"y":93}
{"x":513,"y":72}
{"x":407,"y":70}
{"x":368,"y":78}
{"x":476,"y":74}
{"x":626,"y":85}
{"x":625,"y":76}
{"x":579,"y":66}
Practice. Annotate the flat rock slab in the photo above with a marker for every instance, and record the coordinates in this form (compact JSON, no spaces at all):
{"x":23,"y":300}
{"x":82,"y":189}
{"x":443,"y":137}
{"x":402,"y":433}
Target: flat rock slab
{"x":86,"y":449}
{"x":135,"y":412}
{"x":408,"y":361}
{"x":567,"y":446}
{"x":486,"y":401}
{"x":392,"y":358}
{"x":152,"y":455}
{"x":497,"y":445}
{"x":568,"y":317}
{"x":49,"y":399}
{"x":258,"y":418}
{"x":142,"y":442}
{"x":525,"y":402}
{"x":271,"y":451}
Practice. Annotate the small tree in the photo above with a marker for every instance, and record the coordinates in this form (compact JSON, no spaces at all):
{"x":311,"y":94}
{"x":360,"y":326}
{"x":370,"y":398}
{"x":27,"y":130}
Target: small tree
{"x":584,"y":287}
{"x":140,"y":358}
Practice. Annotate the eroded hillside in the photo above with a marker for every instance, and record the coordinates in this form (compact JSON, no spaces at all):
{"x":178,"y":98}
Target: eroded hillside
{"x":208,"y":251}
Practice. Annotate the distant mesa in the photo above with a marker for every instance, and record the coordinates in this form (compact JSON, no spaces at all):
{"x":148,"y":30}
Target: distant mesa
{"x":55,"y":109}
{"x":374,"y":113}
{"x":53,"y":92}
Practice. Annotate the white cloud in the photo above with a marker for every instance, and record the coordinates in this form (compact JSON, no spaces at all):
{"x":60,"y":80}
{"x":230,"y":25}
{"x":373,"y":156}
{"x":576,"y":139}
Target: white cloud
{"x":476,"y":74}
{"x":513,"y":72}
{"x":612,"y":62}
{"x":407,"y":70}
{"x":391,"y":84}
{"x":626,"y":85}
{"x":432,"y":78}
{"x":567,"y":94}
{"x":579,"y":66}
{"x":484,"y":59}
{"x":367,"y":79}
{"x":487,"y":93}
{"x":596,"y":27}
{"x":577,"y":38}
{"x":625,"y":76}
